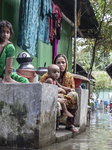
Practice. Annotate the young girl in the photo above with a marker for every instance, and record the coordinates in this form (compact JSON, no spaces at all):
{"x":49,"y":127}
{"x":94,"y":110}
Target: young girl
{"x":7,"y":52}
{"x":54,"y":74}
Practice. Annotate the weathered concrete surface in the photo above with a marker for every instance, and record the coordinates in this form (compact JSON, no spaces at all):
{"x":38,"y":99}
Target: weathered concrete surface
{"x":27,"y":115}
{"x":63,"y":135}
{"x":81,"y":117}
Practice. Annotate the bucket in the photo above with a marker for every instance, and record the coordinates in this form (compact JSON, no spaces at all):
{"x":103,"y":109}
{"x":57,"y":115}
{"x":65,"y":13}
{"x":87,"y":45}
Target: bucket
{"x":29,"y":74}
{"x":77,"y":82}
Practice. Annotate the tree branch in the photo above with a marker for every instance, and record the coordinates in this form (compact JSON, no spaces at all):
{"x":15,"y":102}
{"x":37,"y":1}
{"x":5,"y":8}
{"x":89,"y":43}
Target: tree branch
{"x":100,"y":41}
{"x":94,"y":48}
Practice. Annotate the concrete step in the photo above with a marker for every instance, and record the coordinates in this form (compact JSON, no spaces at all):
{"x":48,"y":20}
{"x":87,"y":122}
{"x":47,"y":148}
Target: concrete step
{"x":63,"y":135}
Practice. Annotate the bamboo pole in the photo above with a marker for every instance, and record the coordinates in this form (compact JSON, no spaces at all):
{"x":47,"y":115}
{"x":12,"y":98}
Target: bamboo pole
{"x":72,"y":24}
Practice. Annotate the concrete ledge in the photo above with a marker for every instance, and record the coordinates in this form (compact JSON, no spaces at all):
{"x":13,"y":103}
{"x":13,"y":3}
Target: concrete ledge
{"x":81,"y":117}
{"x":62,"y":134}
{"x":28,"y":115}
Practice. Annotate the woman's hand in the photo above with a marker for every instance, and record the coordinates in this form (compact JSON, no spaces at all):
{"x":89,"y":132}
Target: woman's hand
{"x":67,"y":89}
{"x":72,"y":90}
{"x":62,"y":100}
{"x":60,"y":90}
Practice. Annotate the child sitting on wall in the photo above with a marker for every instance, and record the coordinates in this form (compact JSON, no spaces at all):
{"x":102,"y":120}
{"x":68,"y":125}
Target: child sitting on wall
{"x":7,"y":53}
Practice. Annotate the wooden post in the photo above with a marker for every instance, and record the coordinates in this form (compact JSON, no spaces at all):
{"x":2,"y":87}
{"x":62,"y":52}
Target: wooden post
{"x":75,"y":33}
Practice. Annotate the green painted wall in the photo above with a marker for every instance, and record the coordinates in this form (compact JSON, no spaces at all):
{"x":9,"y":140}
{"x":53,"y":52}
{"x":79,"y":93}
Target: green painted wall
{"x":64,"y":42}
{"x":10,"y":12}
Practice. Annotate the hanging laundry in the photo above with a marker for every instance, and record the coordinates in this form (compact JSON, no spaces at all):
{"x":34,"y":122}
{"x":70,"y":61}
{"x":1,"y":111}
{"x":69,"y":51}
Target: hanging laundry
{"x":46,"y":12}
{"x":55,"y":28}
{"x":33,"y":24}
{"x":56,"y":18}
{"x":29,"y":25}
{"x":58,"y":30}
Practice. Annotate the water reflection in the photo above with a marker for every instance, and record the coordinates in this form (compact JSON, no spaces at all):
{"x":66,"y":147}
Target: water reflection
{"x":98,"y":135}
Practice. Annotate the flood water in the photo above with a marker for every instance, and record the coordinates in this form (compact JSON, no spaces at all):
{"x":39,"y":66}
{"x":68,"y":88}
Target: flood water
{"x":98,"y":135}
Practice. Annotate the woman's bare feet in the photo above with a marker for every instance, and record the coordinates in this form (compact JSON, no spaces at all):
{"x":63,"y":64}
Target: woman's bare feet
{"x":67,"y":113}
{"x":71,"y":127}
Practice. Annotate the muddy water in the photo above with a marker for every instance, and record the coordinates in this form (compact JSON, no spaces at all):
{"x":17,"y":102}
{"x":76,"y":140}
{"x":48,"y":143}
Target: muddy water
{"x":98,"y":135}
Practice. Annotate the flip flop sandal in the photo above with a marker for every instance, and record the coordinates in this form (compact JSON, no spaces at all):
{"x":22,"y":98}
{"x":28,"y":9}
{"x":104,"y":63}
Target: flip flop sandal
{"x":69,"y":128}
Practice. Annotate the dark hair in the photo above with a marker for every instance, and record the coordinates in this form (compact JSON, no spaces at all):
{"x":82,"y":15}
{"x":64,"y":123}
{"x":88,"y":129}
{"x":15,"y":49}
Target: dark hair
{"x":59,"y":55}
{"x":7,"y":24}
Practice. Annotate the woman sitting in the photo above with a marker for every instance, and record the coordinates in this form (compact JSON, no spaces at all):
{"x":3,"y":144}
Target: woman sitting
{"x":66,"y":80}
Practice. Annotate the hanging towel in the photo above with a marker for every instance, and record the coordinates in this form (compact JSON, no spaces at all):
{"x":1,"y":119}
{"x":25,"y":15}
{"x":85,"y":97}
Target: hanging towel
{"x":29,"y":25}
{"x":33,"y":24}
{"x":46,"y":12}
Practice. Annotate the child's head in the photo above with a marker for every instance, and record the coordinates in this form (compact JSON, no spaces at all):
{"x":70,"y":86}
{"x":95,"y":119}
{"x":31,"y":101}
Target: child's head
{"x":6,"y":31}
{"x":53,"y":71}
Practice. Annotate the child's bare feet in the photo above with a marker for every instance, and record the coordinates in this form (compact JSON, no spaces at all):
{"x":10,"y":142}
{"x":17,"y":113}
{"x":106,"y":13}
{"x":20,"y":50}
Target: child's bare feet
{"x":67,"y":113}
{"x":9,"y":80}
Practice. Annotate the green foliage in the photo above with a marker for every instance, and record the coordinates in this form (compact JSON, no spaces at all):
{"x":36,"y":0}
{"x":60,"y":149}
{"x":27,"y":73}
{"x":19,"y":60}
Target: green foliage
{"x":103,"y":81}
{"x":91,"y":104}
{"x":106,"y":28}
{"x":103,"y":47}
{"x":84,"y":55}
{"x":104,"y":44}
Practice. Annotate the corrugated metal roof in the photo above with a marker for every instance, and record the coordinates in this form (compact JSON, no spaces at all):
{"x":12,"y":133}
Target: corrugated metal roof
{"x":88,"y":23}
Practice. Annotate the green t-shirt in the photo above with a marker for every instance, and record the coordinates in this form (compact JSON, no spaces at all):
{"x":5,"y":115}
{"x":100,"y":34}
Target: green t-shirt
{"x":7,"y":53}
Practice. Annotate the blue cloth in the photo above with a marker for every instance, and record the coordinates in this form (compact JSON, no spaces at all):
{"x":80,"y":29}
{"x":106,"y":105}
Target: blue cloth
{"x":33,"y":24}
{"x":44,"y":30}
{"x":44,"y":21}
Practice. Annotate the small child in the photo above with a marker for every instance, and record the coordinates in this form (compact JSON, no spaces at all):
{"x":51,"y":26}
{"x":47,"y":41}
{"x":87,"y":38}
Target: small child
{"x":54,"y":74}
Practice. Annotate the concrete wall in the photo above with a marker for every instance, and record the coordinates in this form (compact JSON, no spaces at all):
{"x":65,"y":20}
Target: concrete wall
{"x":81,"y":117}
{"x":27,"y":115}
